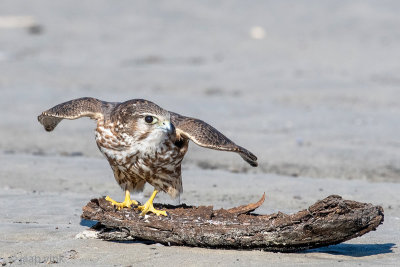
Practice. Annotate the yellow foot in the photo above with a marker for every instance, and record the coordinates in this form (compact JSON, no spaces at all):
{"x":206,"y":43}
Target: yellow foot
{"x":126,"y":204}
{"x":148,"y":206}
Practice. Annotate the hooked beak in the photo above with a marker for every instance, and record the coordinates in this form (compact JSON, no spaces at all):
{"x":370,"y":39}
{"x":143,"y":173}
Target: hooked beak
{"x":167,"y":126}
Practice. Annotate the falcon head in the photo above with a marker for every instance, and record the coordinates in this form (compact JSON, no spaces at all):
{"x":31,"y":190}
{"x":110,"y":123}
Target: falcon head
{"x":153,"y":128}
{"x":146,"y":123}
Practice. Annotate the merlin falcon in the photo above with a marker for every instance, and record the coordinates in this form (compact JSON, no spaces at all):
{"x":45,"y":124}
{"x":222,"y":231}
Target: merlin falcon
{"x":143,"y":143}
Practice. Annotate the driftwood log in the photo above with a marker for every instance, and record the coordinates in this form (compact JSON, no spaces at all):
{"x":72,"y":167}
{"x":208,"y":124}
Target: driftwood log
{"x":327,"y":222}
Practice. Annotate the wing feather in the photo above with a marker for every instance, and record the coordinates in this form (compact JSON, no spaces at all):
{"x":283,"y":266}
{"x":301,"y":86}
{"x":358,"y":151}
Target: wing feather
{"x":205,"y":135}
{"x":71,"y":110}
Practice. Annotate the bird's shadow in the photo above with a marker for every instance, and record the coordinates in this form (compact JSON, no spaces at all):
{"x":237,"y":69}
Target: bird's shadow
{"x":355,"y":250}
{"x":88,"y":223}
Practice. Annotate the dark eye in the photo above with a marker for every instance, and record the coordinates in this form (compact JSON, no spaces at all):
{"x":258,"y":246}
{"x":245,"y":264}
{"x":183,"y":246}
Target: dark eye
{"x":149,"y":119}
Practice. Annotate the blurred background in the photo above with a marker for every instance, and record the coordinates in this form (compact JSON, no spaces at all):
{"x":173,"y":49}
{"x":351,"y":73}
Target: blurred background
{"x":311,"y":87}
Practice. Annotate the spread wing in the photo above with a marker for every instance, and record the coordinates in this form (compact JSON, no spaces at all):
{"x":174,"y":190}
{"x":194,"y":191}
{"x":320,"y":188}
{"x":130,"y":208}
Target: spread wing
{"x":205,"y":135}
{"x":71,"y":110}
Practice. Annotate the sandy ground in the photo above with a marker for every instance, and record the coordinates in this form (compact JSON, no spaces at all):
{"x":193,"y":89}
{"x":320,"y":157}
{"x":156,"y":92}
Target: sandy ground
{"x":311,"y":88}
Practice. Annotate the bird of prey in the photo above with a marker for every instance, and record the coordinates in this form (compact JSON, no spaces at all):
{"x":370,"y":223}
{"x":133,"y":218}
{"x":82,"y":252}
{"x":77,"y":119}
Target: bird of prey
{"x":143,"y":143}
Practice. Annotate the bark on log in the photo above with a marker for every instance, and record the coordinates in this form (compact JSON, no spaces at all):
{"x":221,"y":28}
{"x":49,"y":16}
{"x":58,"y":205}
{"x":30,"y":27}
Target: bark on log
{"x":327,"y":222}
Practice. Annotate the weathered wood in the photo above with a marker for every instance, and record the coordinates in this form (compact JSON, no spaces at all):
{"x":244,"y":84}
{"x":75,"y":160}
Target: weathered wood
{"x":327,"y":222}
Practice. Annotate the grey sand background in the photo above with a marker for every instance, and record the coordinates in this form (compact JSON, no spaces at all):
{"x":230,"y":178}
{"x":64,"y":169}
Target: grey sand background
{"x":311,"y":87}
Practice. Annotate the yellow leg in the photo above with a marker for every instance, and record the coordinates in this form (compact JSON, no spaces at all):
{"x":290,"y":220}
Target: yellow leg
{"x":127,"y":202}
{"x":148,"y":206}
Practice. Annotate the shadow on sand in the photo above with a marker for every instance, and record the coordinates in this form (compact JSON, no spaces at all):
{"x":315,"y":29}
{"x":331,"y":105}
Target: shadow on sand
{"x":87,"y":223}
{"x":355,"y":250}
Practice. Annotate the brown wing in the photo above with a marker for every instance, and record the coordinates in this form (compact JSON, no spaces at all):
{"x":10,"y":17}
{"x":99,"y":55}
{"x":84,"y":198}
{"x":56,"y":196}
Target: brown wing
{"x":71,"y":110}
{"x":205,"y":135}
